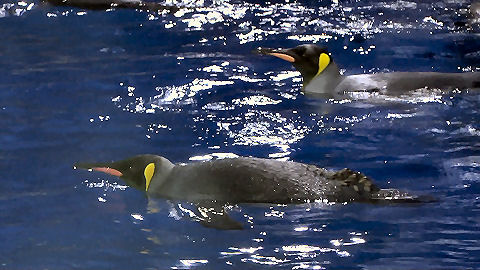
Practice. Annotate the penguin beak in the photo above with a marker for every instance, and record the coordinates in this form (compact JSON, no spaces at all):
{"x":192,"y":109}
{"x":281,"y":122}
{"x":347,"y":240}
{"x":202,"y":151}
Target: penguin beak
{"x":280,"y":53}
{"x":108,"y":170}
{"x":137,"y":171}
{"x":99,"y":167}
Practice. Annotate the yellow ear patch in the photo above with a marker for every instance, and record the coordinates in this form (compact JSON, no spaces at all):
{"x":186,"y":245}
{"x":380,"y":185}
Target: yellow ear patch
{"x":323,"y":62}
{"x":149,"y":170}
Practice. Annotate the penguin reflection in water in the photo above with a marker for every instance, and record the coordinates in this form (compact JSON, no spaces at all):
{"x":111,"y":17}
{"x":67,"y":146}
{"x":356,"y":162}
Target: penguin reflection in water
{"x":321,"y":75}
{"x":106,"y":4}
{"x":212,"y":186}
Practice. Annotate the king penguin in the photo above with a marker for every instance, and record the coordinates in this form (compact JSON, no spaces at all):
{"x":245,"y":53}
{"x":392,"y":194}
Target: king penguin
{"x":214,"y":184}
{"x":321,"y":75}
{"x":475,"y":13}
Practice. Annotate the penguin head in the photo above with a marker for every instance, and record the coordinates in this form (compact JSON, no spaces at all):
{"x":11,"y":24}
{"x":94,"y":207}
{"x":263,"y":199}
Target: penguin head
{"x":137,"y":171}
{"x":309,"y":59}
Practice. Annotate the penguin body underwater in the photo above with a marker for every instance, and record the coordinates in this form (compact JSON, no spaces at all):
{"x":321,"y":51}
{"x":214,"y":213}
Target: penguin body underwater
{"x":214,"y":184}
{"x":321,"y":75}
{"x":106,"y":4}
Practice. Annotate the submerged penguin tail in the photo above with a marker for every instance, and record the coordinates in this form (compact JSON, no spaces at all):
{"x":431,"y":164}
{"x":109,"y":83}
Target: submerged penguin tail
{"x":396,"y":196}
{"x":472,"y":79}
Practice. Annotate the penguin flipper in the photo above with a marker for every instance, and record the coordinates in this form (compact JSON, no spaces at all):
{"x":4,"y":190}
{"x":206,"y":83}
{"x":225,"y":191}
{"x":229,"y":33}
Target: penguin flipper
{"x":356,"y":186}
{"x":214,"y":215}
{"x":353,"y":186}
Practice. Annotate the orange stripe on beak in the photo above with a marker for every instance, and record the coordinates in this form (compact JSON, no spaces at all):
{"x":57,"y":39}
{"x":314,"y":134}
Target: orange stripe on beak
{"x":108,"y":170}
{"x":283,"y":56}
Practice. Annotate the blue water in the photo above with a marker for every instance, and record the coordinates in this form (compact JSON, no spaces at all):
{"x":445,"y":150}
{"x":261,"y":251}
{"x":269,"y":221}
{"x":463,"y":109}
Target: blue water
{"x":79,"y":85}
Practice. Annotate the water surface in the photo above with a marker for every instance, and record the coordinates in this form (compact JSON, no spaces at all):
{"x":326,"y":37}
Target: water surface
{"x":80,"y":85}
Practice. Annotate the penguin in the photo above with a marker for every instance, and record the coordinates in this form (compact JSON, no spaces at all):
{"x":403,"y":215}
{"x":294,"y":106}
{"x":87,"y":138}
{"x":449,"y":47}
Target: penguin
{"x":106,"y":4}
{"x":321,"y":75}
{"x":474,"y":13}
{"x":219,"y":183}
